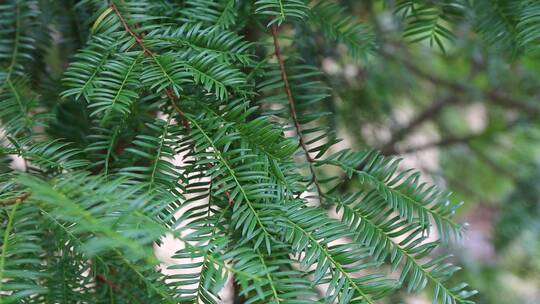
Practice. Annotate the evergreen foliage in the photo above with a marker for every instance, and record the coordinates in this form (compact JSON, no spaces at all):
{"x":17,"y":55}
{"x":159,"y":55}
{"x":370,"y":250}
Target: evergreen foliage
{"x":200,"y":120}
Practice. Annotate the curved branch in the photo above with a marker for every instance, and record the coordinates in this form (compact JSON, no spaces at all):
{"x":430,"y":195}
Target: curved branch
{"x":148,"y":52}
{"x":294,"y":115}
{"x":428,"y":113}
{"x":16,"y":200}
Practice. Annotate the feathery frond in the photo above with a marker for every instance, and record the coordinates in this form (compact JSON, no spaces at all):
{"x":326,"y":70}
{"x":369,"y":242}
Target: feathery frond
{"x":225,"y":45}
{"x":402,"y":191}
{"x":52,"y":156}
{"x":429,"y":21}
{"x":17,"y":44}
{"x":390,"y":236}
{"x":311,"y":232}
{"x":332,"y":19}
{"x":281,"y":10}
{"x":527,"y":27}
{"x":497,"y":23}
{"x":212,"y":12}
{"x":81,"y":75}
{"x":116,"y":88}
{"x":158,"y":148}
{"x":20,"y":263}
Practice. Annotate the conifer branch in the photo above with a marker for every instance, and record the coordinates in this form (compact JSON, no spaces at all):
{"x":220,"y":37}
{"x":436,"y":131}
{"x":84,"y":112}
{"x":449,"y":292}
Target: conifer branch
{"x":292,"y":107}
{"x":128,"y":30}
{"x":148,"y":52}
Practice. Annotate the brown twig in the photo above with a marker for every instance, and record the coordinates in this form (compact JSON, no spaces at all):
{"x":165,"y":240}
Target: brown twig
{"x":226,"y":192}
{"x":445,"y":142}
{"x":228,"y":196}
{"x":137,"y":38}
{"x":292,"y":107}
{"x":16,"y":200}
{"x":290,"y":98}
{"x":506,"y":101}
{"x":436,"y":80}
{"x":101,"y":278}
{"x":466,"y":139}
{"x":149,"y":52}
{"x":173,"y":100}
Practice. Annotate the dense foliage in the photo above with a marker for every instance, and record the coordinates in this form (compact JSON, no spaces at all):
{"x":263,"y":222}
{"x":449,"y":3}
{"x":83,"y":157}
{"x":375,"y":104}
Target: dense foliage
{"x":210,"y":121}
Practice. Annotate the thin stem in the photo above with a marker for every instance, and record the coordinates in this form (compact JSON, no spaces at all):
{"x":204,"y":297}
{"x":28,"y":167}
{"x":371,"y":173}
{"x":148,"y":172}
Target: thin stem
{"x":149,"y":52}
{"x":137,"y":38}
{"x":173,"y":99}
{"x":269,"y":277}
{"x":103,"y":279}
{"x":158,"y":153}
{"x":458,"y":88}
{"x":292,"y":107}
{"x":16,"y":200}
{"x":445,"y":142}
{"x":110,"y":148}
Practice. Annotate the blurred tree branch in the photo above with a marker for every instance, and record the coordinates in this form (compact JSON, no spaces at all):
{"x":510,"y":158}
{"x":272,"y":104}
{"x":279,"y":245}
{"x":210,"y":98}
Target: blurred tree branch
{"x":495,"y":96}
{"x":427,"y":114}
{"x":453,"y":140}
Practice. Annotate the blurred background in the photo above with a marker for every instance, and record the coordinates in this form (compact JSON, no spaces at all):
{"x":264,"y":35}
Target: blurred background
{"x":465,"y":113}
